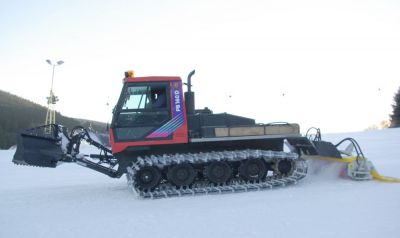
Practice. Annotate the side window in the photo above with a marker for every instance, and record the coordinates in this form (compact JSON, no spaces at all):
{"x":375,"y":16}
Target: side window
{"x":158,"y":97}
{"x":145,"y":97}
{"x":144,"y":106}
{"x":136,"y":98}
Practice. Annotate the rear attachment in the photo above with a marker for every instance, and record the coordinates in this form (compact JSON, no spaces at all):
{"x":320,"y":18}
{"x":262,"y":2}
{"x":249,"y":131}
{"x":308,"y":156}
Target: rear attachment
{"x":357,"y":166}
{"x":287,"y":169}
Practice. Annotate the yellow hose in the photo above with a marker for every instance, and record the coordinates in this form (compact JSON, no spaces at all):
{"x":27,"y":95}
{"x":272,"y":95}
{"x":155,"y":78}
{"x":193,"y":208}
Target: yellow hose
{"x":382,"y":178}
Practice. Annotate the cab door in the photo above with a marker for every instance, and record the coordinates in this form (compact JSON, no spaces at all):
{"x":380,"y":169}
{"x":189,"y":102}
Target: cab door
{"x":149,"y":113}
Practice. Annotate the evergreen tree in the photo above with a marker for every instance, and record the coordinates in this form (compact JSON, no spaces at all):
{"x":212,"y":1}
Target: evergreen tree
{"x":395,"y":117}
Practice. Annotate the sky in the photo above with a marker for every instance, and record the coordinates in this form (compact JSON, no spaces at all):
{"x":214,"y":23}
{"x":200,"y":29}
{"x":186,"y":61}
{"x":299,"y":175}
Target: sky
{"x":328,"y":64}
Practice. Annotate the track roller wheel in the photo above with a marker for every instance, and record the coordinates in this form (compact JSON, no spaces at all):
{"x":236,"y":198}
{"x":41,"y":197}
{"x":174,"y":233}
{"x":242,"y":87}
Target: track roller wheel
{"x":218,"y":172}
{"x":181,"y":175}
{"x":148,"y":178}
{"x":284,"y":166}
{"x":252,"y":169}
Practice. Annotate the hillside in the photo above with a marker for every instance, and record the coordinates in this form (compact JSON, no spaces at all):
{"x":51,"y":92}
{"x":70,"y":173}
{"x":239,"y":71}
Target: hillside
{"x":17,"y":114}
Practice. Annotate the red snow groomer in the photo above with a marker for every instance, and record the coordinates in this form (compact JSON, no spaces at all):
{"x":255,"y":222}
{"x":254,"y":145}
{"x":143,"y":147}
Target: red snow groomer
{"x":168,"y":148}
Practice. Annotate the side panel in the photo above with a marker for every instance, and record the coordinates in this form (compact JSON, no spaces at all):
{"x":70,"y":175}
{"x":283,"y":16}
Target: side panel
{"x":173,"y":131}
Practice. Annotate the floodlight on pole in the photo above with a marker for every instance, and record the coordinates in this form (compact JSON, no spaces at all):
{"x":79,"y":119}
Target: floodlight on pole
{"x":52,"y":99}
{"x":60,"y":62}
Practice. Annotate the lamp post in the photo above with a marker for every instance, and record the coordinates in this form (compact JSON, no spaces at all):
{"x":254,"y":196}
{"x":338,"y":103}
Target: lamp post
{"x":52,"y":99}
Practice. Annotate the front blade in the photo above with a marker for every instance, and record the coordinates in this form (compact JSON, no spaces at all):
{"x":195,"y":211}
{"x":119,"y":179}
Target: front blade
{"x":40,"y":146}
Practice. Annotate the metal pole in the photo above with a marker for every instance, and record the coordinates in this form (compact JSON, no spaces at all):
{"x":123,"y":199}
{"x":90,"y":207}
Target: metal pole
{"x":52,"y":99}
{"x":52,"y":78}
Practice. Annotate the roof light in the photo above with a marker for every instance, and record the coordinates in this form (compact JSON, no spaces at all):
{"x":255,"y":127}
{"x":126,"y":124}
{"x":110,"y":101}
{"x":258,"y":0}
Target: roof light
{"x":129,"y":74}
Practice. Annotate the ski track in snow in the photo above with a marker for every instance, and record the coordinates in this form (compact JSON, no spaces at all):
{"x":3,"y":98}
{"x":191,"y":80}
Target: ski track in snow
{"x":72,"y":201}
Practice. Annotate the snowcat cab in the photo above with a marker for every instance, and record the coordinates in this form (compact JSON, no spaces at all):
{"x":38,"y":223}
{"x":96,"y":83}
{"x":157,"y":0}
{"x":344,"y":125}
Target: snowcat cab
{"x":150,"y":111}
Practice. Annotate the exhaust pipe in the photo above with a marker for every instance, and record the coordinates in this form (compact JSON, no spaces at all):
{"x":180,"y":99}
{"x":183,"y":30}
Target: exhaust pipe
{"x":189,"y":95}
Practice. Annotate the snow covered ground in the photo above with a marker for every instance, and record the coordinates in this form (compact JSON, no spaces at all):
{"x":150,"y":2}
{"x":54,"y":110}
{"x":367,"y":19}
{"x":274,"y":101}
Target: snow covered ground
{"x":71,"y":201}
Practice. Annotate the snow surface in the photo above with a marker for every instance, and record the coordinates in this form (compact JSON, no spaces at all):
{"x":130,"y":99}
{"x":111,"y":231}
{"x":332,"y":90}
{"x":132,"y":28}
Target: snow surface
{"x":71,"y":201}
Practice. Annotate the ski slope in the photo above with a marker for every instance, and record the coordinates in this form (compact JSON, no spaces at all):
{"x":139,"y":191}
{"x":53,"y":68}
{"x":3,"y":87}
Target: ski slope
{"x":71,"y":201}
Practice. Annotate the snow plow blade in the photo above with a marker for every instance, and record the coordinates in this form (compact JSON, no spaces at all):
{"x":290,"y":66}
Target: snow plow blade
{"x":40,"y":146}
